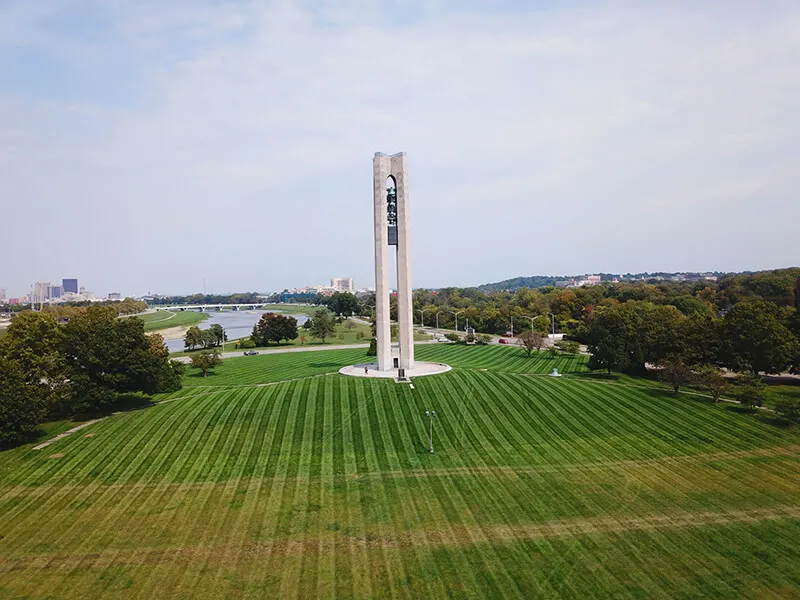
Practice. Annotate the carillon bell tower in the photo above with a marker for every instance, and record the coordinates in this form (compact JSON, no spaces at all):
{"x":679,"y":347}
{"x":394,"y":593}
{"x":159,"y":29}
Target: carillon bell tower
{"x":390,"y":187}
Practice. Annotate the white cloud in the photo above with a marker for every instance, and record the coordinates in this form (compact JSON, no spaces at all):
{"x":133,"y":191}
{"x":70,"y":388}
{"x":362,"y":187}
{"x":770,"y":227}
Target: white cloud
{"x":619,"y":137}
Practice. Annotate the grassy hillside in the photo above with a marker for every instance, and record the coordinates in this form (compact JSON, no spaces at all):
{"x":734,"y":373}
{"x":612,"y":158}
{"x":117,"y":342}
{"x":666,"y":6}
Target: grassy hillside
{"x":165,"y":319}
{"x":323,"y":486}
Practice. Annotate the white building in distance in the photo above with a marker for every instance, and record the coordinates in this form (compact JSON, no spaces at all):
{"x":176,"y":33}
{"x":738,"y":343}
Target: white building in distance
{"x":342,"y":284}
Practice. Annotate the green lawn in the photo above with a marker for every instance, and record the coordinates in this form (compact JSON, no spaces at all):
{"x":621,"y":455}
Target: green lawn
{"x":163,"y":319}
{"x":322,"y":486}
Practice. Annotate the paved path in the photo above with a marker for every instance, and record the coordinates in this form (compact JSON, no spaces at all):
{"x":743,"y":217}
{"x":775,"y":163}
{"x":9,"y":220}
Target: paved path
{"x":61,"y":436}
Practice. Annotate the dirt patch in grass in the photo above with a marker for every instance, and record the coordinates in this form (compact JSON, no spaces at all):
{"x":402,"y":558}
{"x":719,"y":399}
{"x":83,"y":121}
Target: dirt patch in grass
{"x":57,"y":455}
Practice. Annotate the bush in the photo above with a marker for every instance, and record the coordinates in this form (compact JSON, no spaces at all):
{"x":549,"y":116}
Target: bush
{"x":453,"y":337}
{"x":373,"y":347}
{"x":483,"y":339}
{"x":568,"y":347}
{"x":246,"y":343}
{"x":749,"y":391}
{"x":470,"y":339}
{"x":788,"y":409}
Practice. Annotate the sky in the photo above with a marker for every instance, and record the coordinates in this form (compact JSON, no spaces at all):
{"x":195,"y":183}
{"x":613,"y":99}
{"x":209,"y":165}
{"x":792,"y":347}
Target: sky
{"x":160,"y":147}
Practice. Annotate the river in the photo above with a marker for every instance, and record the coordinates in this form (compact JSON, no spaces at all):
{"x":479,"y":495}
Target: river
{"x":237,"y":324}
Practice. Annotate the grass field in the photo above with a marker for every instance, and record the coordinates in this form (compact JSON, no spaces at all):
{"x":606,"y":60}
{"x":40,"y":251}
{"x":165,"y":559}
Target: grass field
{"x":164,"y":319}
{"x":322,"y":487}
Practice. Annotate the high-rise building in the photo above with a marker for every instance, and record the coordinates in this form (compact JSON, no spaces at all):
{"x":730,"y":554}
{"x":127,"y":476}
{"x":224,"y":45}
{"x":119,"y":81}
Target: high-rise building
{"x":39,"y":292}
{"x":2,"y":295}
{"x":70,"y":285}
{"x":55,"y":291}
{"x":342,"y":284}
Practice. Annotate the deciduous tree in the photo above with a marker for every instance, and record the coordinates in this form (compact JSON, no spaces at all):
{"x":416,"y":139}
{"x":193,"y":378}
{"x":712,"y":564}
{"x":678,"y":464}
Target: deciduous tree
{"x":530,"y":340}
{"x":675,"y":372}
{"x":106,"y":357}
{"x":343,"y":303}
{"x":749,"y":390}
{"x":34,"y":340}
{"x":22,"y":406}
{"x":756,"y":340}
{"x":194,"y":338}
{"x":274,"y":328}
{"x":206,"y":360}
{"x":713,"y":381}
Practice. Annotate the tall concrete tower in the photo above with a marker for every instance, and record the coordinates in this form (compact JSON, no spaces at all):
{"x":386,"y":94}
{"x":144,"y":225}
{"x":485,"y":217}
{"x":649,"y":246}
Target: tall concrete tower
{"x":390,"y":187}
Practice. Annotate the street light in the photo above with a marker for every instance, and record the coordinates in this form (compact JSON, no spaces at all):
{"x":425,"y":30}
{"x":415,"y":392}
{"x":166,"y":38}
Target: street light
{"x":421,"y":312}
{"x":456,"y":316}
{"x":512,"y":326}
{"x":431,"y":414}
{"x":437,"y":319}
{"x":554,"y":323}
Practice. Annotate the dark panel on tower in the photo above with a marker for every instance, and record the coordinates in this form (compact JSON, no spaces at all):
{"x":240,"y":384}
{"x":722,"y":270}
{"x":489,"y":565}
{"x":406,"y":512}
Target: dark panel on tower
{"x":391,"y":214}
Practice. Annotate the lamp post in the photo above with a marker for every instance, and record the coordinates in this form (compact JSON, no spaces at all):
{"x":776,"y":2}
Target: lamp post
{"x":512,"y":325}
{"x":431,"y":414}
{"x":553,"y":317}
{"x":421,"y":312}
{"x":437,"y":319}
{"x":456,"y":316}
{"x":533,"y":319}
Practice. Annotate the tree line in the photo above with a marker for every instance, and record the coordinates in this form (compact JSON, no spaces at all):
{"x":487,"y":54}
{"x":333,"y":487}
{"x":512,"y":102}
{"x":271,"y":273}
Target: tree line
{"x":87,"y":365}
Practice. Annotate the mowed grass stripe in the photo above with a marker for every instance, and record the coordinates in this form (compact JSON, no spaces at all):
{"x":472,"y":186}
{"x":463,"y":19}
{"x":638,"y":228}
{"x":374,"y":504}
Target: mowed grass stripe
{"x":240,"y":493}
{"x":270,"y":368}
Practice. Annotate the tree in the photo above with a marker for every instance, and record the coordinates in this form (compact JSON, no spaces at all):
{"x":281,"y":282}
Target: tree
{"x":34,"y":342}
{"x":530,"y":340}
{"x":206,"y":360}
{"x":22,"y":406}
{"x":322,"y":325}
{"x":273,"y":327}
{"x":208,"y":338}
{"x":106,"y":357}
{"x":607,"y":343}
{"x":343,"y":303}
{"x":193,"y":339}
{"x":218,"y":334}
{"x":749,"y":391}
{"x":373,"y":347}
{"x":788,"y":409}
{"x":349,"y":325}
{"x":700,"y":339}
{"x":713,"y":381}
{"x":675,"y":372}
{"x":756,"y":340}
{"x":452,"y":337}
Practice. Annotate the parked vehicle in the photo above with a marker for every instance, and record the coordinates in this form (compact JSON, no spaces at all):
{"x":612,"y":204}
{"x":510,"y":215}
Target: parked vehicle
{"x":502,"y":341}
{"x":250,"y":353}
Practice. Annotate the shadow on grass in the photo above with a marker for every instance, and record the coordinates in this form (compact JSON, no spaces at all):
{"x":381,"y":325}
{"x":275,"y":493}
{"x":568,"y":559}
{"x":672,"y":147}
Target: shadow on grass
{"x":55,"y":424}
{"x":199,"y":375}
{"x":123,"y":403}
{"x":599,"y":376}
{"x":774,"y":420}
{"x":740,"y":410}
